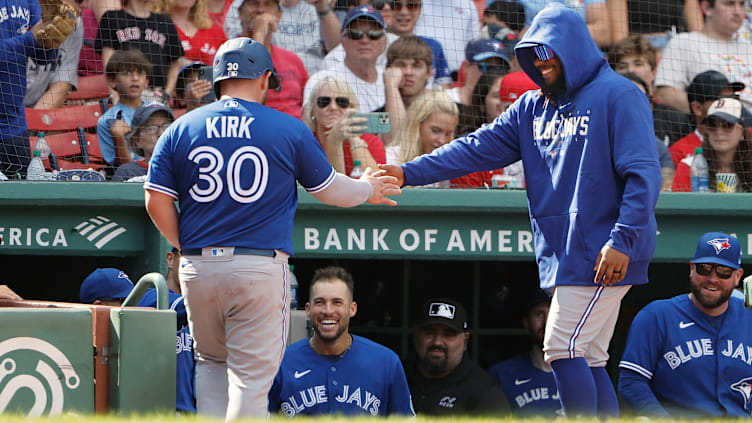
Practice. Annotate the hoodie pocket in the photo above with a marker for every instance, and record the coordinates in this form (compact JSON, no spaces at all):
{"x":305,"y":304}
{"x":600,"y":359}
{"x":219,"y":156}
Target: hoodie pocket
{"x":560,"y":246}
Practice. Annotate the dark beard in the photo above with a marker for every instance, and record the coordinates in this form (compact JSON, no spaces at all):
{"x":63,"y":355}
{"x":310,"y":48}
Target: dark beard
{"x":555,"y":90}
{"x":705,"y":302}
{"x":436,"y":366}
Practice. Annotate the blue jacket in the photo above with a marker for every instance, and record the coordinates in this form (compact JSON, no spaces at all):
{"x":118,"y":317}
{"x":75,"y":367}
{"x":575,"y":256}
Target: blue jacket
{"x":16,"y":44}
{"x":590,"y":161}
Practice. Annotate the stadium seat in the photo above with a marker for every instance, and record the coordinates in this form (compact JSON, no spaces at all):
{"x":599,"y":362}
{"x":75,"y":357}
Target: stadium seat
{"x":90,"y":88}
{"x":67,"y":118}
{"x":74,"y":150}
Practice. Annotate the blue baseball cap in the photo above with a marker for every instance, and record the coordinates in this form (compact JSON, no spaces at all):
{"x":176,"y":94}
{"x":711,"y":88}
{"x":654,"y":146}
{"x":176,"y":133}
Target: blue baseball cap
{"x":363,"y":12}
{"x":485,"y":48}
{"x":719,"y":248}
{"x":105,"y":284}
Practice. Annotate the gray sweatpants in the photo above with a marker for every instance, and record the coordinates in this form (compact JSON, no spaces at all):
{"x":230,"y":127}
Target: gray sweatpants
{"x":238,"y":310}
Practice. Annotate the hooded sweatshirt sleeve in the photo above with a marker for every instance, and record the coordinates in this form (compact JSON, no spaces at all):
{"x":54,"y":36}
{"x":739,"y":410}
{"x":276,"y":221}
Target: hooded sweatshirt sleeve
{"x":636,"y":162}
{"x":493,"y":146}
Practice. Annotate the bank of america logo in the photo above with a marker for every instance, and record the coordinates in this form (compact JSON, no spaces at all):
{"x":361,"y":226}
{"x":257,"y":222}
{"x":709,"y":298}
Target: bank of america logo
{"x":99,"y":230}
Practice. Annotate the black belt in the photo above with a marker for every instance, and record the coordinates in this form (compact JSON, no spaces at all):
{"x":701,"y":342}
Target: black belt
{"x":240,"y":251}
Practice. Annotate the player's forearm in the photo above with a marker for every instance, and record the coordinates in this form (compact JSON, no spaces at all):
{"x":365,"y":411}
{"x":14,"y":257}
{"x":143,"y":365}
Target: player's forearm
{"x":345,"y":192}
{"x":161,"y":209}
{"x":635,"y":390}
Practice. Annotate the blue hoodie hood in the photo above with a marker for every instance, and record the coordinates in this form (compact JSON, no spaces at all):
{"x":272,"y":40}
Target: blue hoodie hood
{"x":565,"y":32}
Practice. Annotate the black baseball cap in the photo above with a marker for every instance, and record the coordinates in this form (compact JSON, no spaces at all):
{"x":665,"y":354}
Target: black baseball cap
{"x":708,"y":85}
{"x":443,"y":311}
{"x":536,"y":297}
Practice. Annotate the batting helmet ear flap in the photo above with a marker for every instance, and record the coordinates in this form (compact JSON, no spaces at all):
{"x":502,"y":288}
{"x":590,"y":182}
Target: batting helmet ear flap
{"x":243,"y":58}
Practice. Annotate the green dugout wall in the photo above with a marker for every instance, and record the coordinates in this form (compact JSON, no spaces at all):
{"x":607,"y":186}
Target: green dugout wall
{"x":473,"y":245}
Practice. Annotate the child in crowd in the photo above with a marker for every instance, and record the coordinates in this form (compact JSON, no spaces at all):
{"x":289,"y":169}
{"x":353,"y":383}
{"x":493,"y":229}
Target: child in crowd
{"x":148,"y":123}
{"x":154,"y":34}
{"x":127,"y":74}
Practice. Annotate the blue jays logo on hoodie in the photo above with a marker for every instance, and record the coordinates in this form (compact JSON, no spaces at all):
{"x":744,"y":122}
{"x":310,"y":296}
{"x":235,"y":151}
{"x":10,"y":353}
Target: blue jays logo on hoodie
{"x":744,"y":387}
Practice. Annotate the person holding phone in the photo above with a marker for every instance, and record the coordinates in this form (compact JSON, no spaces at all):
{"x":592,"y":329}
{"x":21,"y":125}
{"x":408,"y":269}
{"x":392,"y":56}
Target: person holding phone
{"x":329,"y":115}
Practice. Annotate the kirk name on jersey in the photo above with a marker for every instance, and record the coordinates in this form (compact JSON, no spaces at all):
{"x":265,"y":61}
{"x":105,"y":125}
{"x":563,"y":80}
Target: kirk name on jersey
{"x":704,"y":347}
{"x":313,"y":396}
{"x":229,"y":126}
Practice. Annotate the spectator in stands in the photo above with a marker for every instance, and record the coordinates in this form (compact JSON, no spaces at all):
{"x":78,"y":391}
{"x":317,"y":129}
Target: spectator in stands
{"x":363,"y":40}
{"x":307,"y":27}
{"x":664,"y":158}
{"x":260,"y":19}
{"x":453,"y":23}
{"x":482,"y":56}
{"x":727,"y":147}
{"x":328,"y":114}
{"x":636,"y":55}
{"x":48,"y":84}
{"x":107,"y":286}
{"x":527,"y":380}
{"x":431,"y":122}
{"x":712,"y":48}
{"x":442,"y":380}
{"x":407,"y":73}
{"x":512,"y":86}
{"x":657,"y":20}
{"x":89,"y":62}
{"x":485,"y":104}
{"x":218,"y":10}
{"x":706,"y":87}
{"x":127,"y":74}
{"x":406,"y":14}
{"x":503,"y":14}
{"x":154,"y":34}
{"x":199,"y":35}
{"x":149,"y":121}
{"x":594,"y":12}
{"x":190,"y":91}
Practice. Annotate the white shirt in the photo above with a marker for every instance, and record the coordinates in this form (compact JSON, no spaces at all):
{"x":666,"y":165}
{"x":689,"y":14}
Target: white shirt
{"x":691,"y":53}
{"x":453,"y":23}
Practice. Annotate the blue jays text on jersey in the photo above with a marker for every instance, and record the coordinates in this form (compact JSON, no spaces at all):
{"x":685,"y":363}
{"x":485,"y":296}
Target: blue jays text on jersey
{"x":368,"y":379}
{"x":530,"y":390}
{"x":681,"y":351}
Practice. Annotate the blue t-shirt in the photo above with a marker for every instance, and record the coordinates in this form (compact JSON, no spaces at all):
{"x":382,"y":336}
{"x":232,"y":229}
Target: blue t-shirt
{"x":233,"y":165}
{"x":368,"y":379}
{"x":530,"y":390}
{"x":106,"y":144}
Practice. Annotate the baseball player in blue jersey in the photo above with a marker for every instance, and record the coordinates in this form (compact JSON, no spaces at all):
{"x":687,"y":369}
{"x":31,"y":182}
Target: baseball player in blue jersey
{"x":592,"y":175}
{"x":232,"y":166}
{"x":335,"y":372}
{"x":691,"y":355}
{"x":527,"y":380}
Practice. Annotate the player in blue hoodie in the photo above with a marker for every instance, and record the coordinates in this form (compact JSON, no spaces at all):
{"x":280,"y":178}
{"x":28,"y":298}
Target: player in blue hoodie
{"x":592,"y":175}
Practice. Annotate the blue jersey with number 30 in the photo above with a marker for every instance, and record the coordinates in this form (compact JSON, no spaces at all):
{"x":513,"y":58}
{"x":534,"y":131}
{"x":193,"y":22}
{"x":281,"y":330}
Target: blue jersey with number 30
{"x":232,"y":165}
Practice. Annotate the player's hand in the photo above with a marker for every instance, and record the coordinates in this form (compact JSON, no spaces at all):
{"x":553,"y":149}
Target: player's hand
{"x":382,"y":184}
{"x":347,"y":127}
{"x":393,"y":76}
{"x":395,"y":171}
{"x":8,"y":294}
{"x":119,"y":128}
{"x":611,"y":266}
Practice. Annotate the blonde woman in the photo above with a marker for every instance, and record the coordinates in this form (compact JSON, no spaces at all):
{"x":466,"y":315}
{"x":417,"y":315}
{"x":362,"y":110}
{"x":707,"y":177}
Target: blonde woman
{"x":431,"y":121}
{"x":328,"y":114}
{"x":199,"y":35}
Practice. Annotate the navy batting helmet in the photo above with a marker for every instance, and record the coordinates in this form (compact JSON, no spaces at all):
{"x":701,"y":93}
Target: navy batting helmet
{"x":243,"y":58}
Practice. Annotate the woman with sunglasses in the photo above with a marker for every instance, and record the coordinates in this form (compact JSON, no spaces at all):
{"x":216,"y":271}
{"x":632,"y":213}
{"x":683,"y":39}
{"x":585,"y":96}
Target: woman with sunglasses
{"x":727,"y":147}
{"x":328,"y":114}
{"x":431,"y":122}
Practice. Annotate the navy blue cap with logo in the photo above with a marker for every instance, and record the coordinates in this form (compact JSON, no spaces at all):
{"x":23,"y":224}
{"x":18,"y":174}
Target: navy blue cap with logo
{"x":718,"y":248}
{"x":363,"y":12}
{"x":105,"y":284}
{"x":483,"y":49}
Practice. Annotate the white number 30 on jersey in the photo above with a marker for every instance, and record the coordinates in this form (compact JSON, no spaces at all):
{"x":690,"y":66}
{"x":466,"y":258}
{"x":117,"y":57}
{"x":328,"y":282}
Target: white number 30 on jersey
{"x":209,"y":175}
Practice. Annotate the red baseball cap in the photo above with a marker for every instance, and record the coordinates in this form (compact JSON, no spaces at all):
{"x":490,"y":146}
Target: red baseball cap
{"x":515,"y":84}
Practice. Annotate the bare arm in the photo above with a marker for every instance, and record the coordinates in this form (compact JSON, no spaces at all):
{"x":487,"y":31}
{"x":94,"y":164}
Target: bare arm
{"x":172,"y":76}
{"x":8,"y":294}
{"x":362,"y":153}
{"x":161,"y":209}
{"x":618,"y":15}
{"x":693,"y":15}
{"x":328,"y":23}
{"x":54,"y":97}
{"x":672,"y":97}
{"x":118,"y":130}
{"x":394,"y":104}
{"x":101,"y":6}
{"x":598,"y":23}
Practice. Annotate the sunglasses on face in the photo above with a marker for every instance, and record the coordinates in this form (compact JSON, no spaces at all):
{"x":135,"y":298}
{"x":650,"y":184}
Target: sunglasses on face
{"x":379,"y":4}
{"x":356,"y":34}
{"x":704,"y":269}
{"x":410,"y":5}
{"x":342,"y":102}
{"x":155,"y":129}
{"x":720,"y":124}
